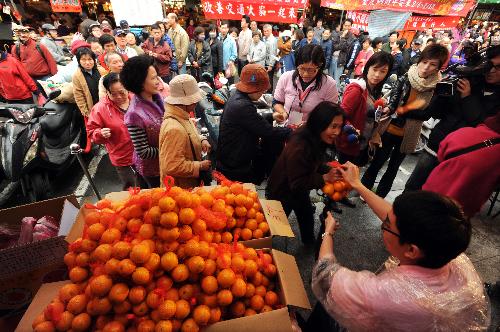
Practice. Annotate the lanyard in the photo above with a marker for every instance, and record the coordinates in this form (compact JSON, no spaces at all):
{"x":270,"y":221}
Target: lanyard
{"x":303,"y":95}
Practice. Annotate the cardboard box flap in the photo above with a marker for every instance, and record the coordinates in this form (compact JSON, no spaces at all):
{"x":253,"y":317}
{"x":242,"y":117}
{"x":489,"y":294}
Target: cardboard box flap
{"x":276,"y":218}
{"x":291,"y":282}
{"x":76,"y":230}
{"x":46,"y":294}
{"x":272,"y":321}
{"x":68,"y":218}
{"x":31,"y":256}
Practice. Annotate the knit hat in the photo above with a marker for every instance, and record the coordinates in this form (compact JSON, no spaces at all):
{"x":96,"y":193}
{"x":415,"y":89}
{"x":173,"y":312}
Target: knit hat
{"x":77,"y":44}
{"x":253,"y":78}
{"x":184,"y":91}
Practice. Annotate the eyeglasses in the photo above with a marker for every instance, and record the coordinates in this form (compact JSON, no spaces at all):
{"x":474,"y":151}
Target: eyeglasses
{"x":385,"y":228}
{"x":496,"y":67}
{"x":118,"y":94}
{"x":307,"y":70}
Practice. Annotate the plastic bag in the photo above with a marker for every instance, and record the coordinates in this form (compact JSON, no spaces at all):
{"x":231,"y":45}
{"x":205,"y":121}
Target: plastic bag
{"x":27,"y":225}
{"x":45,"y":228}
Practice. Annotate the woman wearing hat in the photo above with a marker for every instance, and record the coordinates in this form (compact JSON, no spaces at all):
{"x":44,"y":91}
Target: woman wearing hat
{"x":243,"y":133}
{"x":180,"y":143}
{"x":298,"y":92}
{"x":144,"y":116}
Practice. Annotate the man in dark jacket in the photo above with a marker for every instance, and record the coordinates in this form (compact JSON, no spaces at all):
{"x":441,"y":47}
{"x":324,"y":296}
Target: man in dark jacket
{"x":158,"y":48}
{"x":243,"y":131}
{"x":345,"y":41}
{"x":327,"y":45}
{"x":412,"y":54}
{"x":467,"y":108}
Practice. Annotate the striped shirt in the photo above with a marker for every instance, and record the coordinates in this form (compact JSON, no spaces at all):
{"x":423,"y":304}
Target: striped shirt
{"x":140,"y":140}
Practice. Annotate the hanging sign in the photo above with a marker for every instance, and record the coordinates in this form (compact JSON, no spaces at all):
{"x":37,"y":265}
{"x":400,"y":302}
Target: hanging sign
{"x":359,"y":19}
{"x":434,"y":22}
{"x":430,"y":7}
{"x":66,"y":6}
{"x":264,"y":11}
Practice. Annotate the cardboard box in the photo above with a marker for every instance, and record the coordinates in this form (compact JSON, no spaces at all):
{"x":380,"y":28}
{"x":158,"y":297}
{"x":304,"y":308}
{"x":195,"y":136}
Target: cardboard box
{"x":24,"y":268}
{"x":291,"y":292}
{"x":273,"y":212}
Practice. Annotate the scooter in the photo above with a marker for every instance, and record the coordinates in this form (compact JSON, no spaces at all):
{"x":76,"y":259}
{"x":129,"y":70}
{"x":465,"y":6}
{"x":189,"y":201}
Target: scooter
{"x":35,"y":143}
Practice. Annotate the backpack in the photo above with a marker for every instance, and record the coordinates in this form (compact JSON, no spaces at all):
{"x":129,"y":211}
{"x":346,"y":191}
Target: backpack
{"x":173,"y":63}
{"x":38,"y":48}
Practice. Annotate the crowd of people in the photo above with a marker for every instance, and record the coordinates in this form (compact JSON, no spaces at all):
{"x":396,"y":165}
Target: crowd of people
{"x":138,"y":95}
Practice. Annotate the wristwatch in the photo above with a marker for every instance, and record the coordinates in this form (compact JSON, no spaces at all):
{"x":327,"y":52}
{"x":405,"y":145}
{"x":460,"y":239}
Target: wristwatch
{"x":325,"y":234}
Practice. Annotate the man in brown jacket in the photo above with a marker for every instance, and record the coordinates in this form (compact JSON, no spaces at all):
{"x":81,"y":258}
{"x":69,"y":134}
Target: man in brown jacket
{"x":180,"y":39}
{"x":158,"y":48}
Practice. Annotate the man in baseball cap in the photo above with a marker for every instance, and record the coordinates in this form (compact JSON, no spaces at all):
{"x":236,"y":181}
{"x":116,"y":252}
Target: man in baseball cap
{"x":243,"y":132}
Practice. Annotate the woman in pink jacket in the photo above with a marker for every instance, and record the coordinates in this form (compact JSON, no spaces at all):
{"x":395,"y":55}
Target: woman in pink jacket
{"x":363,"y":56}
{"x":106,"y":126}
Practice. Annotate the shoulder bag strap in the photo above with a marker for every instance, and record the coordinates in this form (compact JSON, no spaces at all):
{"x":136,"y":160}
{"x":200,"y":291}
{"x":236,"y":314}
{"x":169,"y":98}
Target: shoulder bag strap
{"x":483,"y":144}
{"x":190,"y":141}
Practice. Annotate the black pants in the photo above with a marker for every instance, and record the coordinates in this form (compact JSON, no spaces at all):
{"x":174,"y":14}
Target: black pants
{"x":241,"y":64}
{"x":152,"y":181}
{"x":390,"y":149}
{"x":359,"y":160}
{"x":271,"y":76}
{"x":129,"y":177}
{"x":320,"y":320}
{"x":425,"y":164}
{"x":300,"y":203}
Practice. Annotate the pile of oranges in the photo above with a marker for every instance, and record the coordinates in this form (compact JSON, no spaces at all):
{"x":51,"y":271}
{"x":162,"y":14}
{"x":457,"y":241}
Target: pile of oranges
{"x":337,"y":190}
{"x":165,"y":260}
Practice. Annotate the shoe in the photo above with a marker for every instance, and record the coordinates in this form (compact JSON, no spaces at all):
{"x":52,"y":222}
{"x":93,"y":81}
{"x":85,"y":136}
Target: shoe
{"x":347,"y":202}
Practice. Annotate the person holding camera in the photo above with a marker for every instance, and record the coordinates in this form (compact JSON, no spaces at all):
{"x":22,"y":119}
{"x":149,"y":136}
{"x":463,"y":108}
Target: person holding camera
{"x":427,"y":284}
{"x":180,"y":143}
{"x":467,"y":108}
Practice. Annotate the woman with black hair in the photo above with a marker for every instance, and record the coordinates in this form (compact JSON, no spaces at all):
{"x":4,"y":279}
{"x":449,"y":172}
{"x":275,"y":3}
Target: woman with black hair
{"x":199,"y":54}
{"x":215,"y":49}
{"x":301,"y":168}
{"x":86,"y":80}
{"x":359,"y":104}
{"x":298,"y":92}
{"x":144,"y":116}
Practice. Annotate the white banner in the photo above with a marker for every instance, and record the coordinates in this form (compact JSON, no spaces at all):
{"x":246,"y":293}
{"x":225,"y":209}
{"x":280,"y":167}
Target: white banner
{"x":381,"y":22}
{"x":137,"y":12}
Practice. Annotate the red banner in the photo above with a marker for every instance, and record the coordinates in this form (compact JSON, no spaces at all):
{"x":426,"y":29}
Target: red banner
{"x":430,"y":7}
{"x":426,"y":22}
{"x":264,"y":11}
{"x":360,"y":19}
{"x":66,"y":6}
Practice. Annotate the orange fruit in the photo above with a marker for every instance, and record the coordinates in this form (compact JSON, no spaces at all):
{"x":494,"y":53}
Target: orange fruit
{"x":224,"y":260}
{"x":180,"y":273}
{"x":126,"y":267}
{"x":199,"y":226}
{"x":68,"y":291}
{"x":328,"y":188}
{"x":246,"y":234}
{"x":169,"y":261}
{"x":141,"y":276}
{"x":99,"y":306}
{"x":69,"y":259}
{"x":81,"y":322}
{"x":88,"y":245}
{"x":236,"y":188}
{"x":77,"y":304}
{"x":238,"y":309}
{"x":239,"y":287}
{"x":140,"y":309}
{"x":166,"y":309}
{"x":187,"y":216}
{"x":166,"y":204}
{"x":192,"y":248}
{"x":121,"y":249}
{"x":201,"y":315}
{"x":215,"y":315}
{"x":270,"y":270}
{"x":118,"y":293}
{"x":186,"y":292}
{"x":64,"y":321}
{"x":172,"y":294}
{"x":44,"y":327}
{"x":251,"y":213}
{"x":94,"y":231}
{"x":257,"y":279}
{"x":271,"y":298}
{"x":257,"y":234}
{"x":250,"y":312}
{"x":153,"y":300}
{"x":186,"y":233}
{"x":226,"y":278}
{"x":102,"y":253}
{"x":337,"y":196}
{"x":122,"y":307}
{"x":171,"y":234}
{"x":82,"y":259}
{"x":250,"y":268}
{"x":182,"y":309}
{"x":210,"y":267}
{"x":227,"y":237}
{"x":137,"y":294}
{"x":264,"y":227}
{"x":183,"y":199}
{"x":209,"y":284}
{"x":169,"y":219}
{"x":113,"y":326}
{"x":240,"y":200}
{"x":164,"y":326}
{"x":53,"y":310}
{"x":338,"y":185}
{"x":146,"y":326}
{"x":111,"y":235}
{"x":240,"y":211}
{"x":92,"y":217}
{"x":251,"y":224}
{"x":224,"y":297}
{"x":250,"y":253}
{"x":204,"y":249}
{"x":250,"y":290}
{"x":140,"y":253}
{"x":196,"y":264}
{"x":146,"y":231}
{"x":256,"y":302}
{"x":206,"y":200}
{"x":134,"y":225}
{"x":229,"y":199}
{"x":259,"y":216}
{"x":78,"y":274}
{"x":261,"y":291}
{"x":189,"y":325}
{"x":120,"y":223}
{"x":100,"y":285}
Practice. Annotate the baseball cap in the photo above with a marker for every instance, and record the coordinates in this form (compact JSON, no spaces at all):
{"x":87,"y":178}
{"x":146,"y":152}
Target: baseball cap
{"x":48,"y":26}
{"x":124,"y":24}
{"x":253,"y":78}
{"x":120,"y":32}
{"x":78,"y":44}
{"x":418,"y":41}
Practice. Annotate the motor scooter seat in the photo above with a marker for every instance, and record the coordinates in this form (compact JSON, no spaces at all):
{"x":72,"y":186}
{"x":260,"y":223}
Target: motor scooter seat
{"x":56,"y":117}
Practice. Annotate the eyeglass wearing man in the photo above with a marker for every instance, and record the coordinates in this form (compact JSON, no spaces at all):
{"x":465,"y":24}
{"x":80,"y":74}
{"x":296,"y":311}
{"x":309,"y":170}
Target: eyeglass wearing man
{"x":434,"y":286}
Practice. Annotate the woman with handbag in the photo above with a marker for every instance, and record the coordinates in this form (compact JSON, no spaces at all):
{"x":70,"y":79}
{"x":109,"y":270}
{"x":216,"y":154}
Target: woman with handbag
{"x":180,"y":144}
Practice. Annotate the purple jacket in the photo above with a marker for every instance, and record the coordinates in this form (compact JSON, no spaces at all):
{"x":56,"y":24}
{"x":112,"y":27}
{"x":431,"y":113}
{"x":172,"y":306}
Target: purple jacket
{"x":148,"y":116}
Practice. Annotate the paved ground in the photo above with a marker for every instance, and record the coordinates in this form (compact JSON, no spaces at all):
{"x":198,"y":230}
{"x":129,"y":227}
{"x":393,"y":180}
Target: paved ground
{"x":358,"y":243}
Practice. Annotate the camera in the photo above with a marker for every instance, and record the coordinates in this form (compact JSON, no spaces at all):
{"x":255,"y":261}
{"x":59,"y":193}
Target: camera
{"x":476,"y":66}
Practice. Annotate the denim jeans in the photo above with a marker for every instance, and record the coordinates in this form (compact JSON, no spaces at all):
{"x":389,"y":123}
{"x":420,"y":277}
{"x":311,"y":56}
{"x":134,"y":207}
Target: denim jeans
{"x":425,"y":164}
{"x":333,"y":67}
{"x":182,"y":70}
{"x":338,"y":71}
{"x":390,"y":149}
